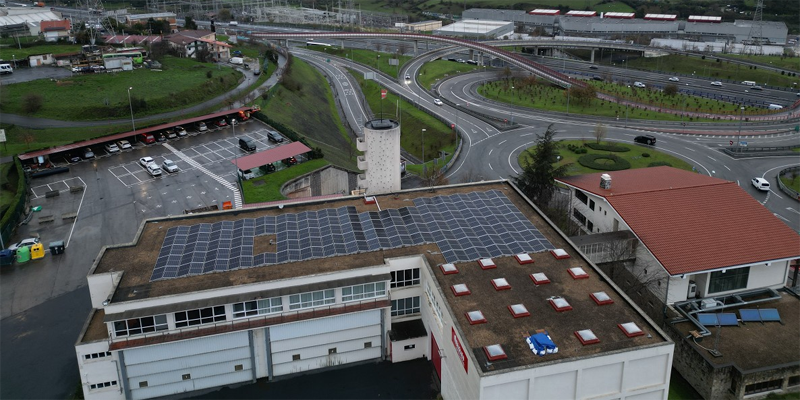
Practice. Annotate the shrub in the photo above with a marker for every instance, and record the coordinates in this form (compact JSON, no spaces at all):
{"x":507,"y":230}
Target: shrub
{"x":32,"y":103}
{"x":604,"y":162}
{"x":607,"y":147}
{"x":645,"y":155}
{"x":659,"y":164}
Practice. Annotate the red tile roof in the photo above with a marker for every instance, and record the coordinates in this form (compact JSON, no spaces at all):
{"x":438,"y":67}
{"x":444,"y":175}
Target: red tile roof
{"x":50,"y":26}
{"x":691,"y":222}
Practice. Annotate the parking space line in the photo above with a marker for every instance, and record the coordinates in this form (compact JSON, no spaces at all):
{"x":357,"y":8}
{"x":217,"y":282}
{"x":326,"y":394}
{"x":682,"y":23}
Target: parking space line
{"x":237,"y":195}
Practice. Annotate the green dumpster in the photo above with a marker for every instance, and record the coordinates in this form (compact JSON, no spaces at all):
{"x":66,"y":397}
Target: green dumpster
{"x":23,"y":254}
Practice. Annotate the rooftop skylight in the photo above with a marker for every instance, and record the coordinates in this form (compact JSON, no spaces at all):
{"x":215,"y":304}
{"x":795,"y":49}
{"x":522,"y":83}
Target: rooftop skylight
{"x":539,"y":278}
{"x":518,"y":310}
{"x":460,"y":290}
{"x":448,"y":269}
{"x":559,"y":254}
{"x":560,"y":304}
{"x":486,"y":263}
{"x":494,"y":352}
{"x":578,"y":273}
{"x":601,"y":298}
{"x":501,"y":284}
{"x":586,"y":336}
{"x":475,"y":317}
{"x":630,"y":329}
{"x":524,"y":258}
{"x":369,"y":200}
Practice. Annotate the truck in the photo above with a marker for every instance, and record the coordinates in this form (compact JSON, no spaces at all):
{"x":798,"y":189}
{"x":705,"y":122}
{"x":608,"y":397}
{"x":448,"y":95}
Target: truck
{"x":38,"y":4}
{"x":236,"y":60}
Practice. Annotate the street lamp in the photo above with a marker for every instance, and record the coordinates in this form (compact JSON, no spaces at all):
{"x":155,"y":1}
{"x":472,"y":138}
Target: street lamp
{"x":685,"y":102}
{"x":739,"y":136}
{"x":424,"y":167}
{"x":14,"y":57}
{"x":512,"y":109}
{"x":130,"y":103}
{"x":568,"y":94}
{"x":626,"y":110}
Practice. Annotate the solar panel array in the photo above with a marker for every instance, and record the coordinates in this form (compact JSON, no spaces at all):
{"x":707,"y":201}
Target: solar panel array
{"x":466,"y":227}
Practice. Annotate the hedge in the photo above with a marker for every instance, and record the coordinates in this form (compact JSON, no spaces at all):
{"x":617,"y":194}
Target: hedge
{"x":607,"y":147}
{"x":659,"y":164}
{"x":591,"y":161}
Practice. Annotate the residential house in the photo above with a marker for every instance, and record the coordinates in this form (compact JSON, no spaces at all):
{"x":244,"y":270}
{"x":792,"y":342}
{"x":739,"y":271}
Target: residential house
{"x":193,"y":40}
{"x":54,"y":31}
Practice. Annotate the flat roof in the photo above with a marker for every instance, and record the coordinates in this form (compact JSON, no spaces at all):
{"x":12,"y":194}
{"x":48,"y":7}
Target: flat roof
{"x":474,"y":26}
{"x":270,"y":156}
{"x":501,"y":328}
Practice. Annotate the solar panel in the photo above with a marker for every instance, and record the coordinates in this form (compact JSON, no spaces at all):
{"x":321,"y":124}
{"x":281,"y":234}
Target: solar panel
{"x":727,"y":319}
{"x":707,"y":319}
{"x":465,"y":227}
{"x":770,"y":315}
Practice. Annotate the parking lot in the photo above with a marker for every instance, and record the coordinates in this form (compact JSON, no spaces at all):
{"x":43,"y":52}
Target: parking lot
{"x":102,"y":201}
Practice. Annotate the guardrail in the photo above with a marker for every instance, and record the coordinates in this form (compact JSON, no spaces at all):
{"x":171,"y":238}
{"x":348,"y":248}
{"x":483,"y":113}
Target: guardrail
{"x":791,"y":171}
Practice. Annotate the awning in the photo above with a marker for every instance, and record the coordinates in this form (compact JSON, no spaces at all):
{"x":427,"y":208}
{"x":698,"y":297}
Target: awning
{"x":270,"y":156}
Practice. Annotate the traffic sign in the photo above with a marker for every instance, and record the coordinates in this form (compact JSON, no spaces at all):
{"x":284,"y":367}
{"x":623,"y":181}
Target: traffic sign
{"x":731,"y":142}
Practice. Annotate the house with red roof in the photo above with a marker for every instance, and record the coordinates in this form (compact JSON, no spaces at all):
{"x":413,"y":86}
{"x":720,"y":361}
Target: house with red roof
{"x":707,"y":235}
{"x":53,"y":31}
{"x":190,"y":41}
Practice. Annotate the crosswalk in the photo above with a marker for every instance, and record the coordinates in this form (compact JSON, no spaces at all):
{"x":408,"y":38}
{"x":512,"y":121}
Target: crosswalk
{"x":237,"y":195}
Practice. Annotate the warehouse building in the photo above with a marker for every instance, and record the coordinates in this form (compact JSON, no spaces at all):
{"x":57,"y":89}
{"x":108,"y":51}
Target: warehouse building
{"x":473,"y":277}
{"x":484,"y":29}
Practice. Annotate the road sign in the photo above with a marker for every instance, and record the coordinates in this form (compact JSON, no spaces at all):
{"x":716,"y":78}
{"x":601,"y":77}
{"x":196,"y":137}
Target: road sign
{"x":731,"y":142}
{"x":383,"y":93}
{"x":743,"y":144}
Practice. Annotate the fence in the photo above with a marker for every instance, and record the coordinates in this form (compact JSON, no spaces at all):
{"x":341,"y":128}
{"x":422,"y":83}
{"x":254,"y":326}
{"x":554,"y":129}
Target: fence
{"x":789,"y":172}
{"x":16,"y":209}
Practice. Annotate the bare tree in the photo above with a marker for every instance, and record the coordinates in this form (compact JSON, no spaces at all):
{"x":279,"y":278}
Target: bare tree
{"x":600,"y":132}
{"x":402,"y":48}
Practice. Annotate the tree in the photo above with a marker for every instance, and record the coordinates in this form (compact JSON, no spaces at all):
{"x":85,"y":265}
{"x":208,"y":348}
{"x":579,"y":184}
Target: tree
{"x":670,"y":90}
{"x":600,"y":132}
{"x":190,"y":24}
{"x":536,"y":179}
{"x":224,"y":15}
{"x":32,"y":102}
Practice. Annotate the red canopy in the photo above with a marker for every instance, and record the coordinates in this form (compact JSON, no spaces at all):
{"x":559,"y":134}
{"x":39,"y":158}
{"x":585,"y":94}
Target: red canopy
{"x":270,"y":156}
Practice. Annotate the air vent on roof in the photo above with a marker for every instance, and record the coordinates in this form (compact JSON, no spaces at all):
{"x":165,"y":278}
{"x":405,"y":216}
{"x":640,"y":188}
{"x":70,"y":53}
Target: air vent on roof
{"x":630,"y":329}
{"x":578,"y":273}
{"x":519,"y":310}
{"x":560,"y":304}
{"x":541,"y":344}
{"x":475,"y":317}
{"x":500,"y":284}
{"x":559,"y":254}
{"x":524,"y":258}
{"x":494,"y":352}
{"x":605,"y":181}
{"x":486,"y":263}
{"x":601,"y":298}
{"x":448,"y":269}
{"x":460,"y":290}
{"x":539,"y":278}
{"x":369,"y":200}
{"x":586,"y":336}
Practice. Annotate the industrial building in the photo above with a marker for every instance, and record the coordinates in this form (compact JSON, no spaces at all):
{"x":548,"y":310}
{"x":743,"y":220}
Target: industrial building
{"x":483,"y":29}
{"x":25,"y":21}
{"x":615,"y":25}
{"x":472,"y":277}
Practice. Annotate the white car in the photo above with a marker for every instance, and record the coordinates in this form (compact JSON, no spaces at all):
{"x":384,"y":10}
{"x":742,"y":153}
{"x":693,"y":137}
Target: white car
{"x":639,"y":84}
{"x":180,"y":131}
{"x":761,"y":184}
{"x":169,"y":166}
{"x":153,"y":169}
{"x":674,"y":79}
{"x":124,"y":145}
{"x":145,"y":161}
{"x":23,"y":243}
{"x":716,"y":83}
{"x":437,"y":102}
{"x":112,"y":148}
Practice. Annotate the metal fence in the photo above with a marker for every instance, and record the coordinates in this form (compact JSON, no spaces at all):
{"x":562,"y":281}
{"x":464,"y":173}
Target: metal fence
{"x":789,"y":172}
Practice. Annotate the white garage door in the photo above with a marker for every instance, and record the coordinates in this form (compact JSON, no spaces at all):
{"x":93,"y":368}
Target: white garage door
{"x":324,"y":342}
{"x":188,"y":365}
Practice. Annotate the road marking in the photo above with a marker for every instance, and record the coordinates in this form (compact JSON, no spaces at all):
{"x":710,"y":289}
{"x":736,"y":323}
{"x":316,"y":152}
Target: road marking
{"x":502,"y":142}
{"x":77,"y":214}
{"x":689,"y":149}
{"x":490,"y":166}
{"x":777,"y":215}
{"x":712,"y":158}
{"x":237,"y":195}
{"x":490,"y":151}
{"x":793,"y":210}
{"x":726,"y":167}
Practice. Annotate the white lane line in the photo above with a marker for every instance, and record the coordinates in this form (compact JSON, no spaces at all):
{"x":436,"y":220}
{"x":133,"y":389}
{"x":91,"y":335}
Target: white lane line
{"x":77,"y":214}
{"x":690,"y":149}
{"x":237,"y":195}
{"x":502,"y":142}
{"x":490,"y":151}
{"x":712,"y":158}
{"x":490,"y":166}
{"x":792,"y":210}
{"x":726,"y":167}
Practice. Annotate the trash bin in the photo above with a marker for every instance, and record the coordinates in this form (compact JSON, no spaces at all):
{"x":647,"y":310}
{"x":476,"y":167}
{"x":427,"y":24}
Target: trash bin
{"x":57,"y":247}
{"x":37,"y":251}
{"x":23,"y":254}
{"x":6,"y":257}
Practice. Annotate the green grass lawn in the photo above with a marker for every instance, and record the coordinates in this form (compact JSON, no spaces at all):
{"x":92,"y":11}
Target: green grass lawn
{"x":6,"y":53}
{"x":438,"y":136}
{"x":268,"y":187}
{"x":182,"y":82}
{"x":378,"y":60}
{"x":432,"y":72}
{"x":792,"y":63}
{"x":714,"y":70}
{"x":304,"y":102}
{"x":614,"y":6}
{"x":792,"y":181}
{"x":634,"y":156}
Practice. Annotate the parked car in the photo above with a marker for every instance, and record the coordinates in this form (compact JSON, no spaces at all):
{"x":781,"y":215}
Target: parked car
{"x":24,"y":243}
{"x":247,"y":144}
{"x":124,"y":145}
{"x":639,"y":84}
{"x":87,"y":153}
{"x":153,"y":169}
{"x":716,"y":83}
{"x":274,"y":137}
{"x":112,"y":148}
{"x":645,"y":139}
{"x":246,"y":174}
{"x":201,"y":127}
{"x":145,"y":161}
{"x":98,"y":68}
{"x":437,"y":102}
{"x":674,"y":79}
{"x":257,"y":71}
{"x":760,"y":184}
{"x":221,"y":122}
{"x":171,"y":134}
{"x":160,"y":137}
{"x":73,"y":158}
{"x":269,"y":168}
{"x":593,"y":67}
{"x":180,"y":131}
{"x":169,"y":166}
{"x":598,"y":78}
{"x":289,"y":161}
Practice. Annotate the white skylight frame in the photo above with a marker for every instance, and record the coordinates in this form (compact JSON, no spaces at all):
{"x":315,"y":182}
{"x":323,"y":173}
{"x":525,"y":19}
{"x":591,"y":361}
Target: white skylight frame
{"x":460,"y":289}
{"x":539,"y":278}
{"x":586,"y":336}
{"x":448,"y":269}
{"x":495,"y":352}
{"x":578,"y":273}
{"x":601,"y":298}
{"x":560,"y":304}
{"x":630,"y":329}
{"x":475,"y":317}
{"x":487,"y":263}
{"x":524,"y":258}
{"x":501,"y":284}
{"x":519,"y":310}
{"x":559,"y":254}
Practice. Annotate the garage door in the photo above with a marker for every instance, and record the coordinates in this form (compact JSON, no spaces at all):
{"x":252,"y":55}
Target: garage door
{"x":324,"y":342}
{"x":188,"y":365}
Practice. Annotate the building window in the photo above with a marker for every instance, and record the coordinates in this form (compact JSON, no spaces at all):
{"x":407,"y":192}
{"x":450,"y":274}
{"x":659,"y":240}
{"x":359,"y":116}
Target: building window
{"x":257,"y":307}
{"x":434,"y":304}
{"x":295,"y":357}
{"x":312,"y":299}
{"x":135,"y":326}
{"x":794,"y":380}
{"x":186,"y":377}
{"x":96,"y":355}
{"x":579,"y":216}
{"x":409,"y":305}
{"x":581,"y":197}
{"x":406,"y":277}
{"x":332,"y":351}
{"x":143,"y":384}
{"x":367,"y":345}
{"x":731,"y":279}
{"x":591,"y":205}
{"x":102,"y":385}
{"x":200,"y":316}
{"x":365,"y":291}
{"x":238,"y":367}
{"x":763,"y":386}
{"x":589,"y":225}
{"x":409,"y":347}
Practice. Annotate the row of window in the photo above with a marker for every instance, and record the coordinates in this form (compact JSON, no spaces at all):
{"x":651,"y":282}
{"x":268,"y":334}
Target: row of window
{"x":102,"y":385}
{"x":365,"y":291}
{"x":92,"y":356}
{"x":405,"y":277}
{"x":409,"y":305}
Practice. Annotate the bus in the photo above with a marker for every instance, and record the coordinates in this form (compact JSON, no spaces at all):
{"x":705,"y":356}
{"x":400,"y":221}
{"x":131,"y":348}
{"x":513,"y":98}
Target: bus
{"x":317,"y":44}
{"x":136,"y":56}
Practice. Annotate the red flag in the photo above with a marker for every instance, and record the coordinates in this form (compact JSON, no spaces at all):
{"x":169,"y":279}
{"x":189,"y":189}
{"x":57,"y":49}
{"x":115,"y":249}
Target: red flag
{"x":383,"y":94}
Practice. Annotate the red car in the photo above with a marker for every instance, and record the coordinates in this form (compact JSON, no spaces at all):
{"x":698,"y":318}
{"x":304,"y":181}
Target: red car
{"x":221,"y":123}
{"x":290,"y":161}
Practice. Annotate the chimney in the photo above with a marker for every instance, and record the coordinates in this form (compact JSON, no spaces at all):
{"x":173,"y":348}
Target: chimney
{"x":605,"y":181}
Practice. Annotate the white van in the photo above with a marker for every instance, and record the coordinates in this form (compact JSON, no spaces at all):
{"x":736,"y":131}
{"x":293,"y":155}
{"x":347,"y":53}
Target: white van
{"x":749,"y":83}
{"x":775,"y":107}
{"x":6,"y":69}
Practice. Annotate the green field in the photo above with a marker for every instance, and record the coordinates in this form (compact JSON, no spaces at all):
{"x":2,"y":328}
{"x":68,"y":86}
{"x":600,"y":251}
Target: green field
{"x":791,"y":63}
{"x":792,"y":181}
{"x":182,"y":82}
{"x":432,"y":72}
{"x":714,"y":70}
{"x":375,"y":59}
{"x":304,"y":102}
{"x":268,"y":187}
{"x":11,"y":52}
